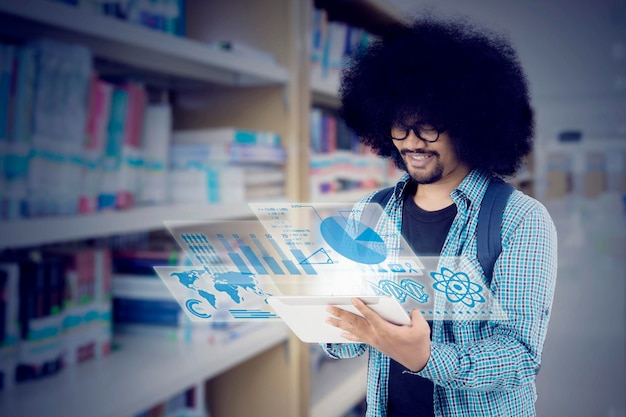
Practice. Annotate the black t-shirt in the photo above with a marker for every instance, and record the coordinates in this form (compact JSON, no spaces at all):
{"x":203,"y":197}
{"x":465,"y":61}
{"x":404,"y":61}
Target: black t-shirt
{"x":425,"y":231}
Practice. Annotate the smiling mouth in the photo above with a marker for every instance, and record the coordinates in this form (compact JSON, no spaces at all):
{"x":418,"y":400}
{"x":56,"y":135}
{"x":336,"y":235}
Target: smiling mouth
{"x":420,"y":156}
{"x":417,"y":155}
{"x":417,"y":159}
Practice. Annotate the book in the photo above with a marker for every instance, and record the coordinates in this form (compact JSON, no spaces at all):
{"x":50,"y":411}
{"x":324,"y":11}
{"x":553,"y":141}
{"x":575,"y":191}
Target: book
{"x":145,"y":310}
{"x":9,"y":322}
{"x":315,"y":129}
{"x":263,"y":175}
{"x":133,"y":286}
{"x":142,"y":262}
{"x":17,"y":157}
{"x":113,"y":149}
{"x":317,"y":41}
{"x":41,"y":287}
{"x":7,"y":65}
{"x":95,"y":140}
{"x":7,"y":62}
{"x":265,"y":192}
{"x":59,"y":117}
{"x":130,"y":160}
{"x":155,"y":143}
{"x":239,"y":152}
{"x":336,"y":47}
{"x":225,"y":135}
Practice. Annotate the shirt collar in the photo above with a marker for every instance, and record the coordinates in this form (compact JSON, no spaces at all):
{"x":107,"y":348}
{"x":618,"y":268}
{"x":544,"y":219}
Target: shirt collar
{"x":471,"y":189}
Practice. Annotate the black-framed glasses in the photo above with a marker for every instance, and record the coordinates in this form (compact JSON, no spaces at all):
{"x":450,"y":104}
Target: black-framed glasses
{"x":424,"y":131}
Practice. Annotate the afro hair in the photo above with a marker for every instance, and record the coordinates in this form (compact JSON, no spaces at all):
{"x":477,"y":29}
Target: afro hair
{"x":465,"y":81}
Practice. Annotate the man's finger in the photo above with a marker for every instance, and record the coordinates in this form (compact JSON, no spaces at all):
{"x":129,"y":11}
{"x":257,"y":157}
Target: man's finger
{"x":369,"y":314}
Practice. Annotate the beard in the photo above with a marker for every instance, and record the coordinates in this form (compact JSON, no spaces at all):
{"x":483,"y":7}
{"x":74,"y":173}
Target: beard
{"x":421,"y":176}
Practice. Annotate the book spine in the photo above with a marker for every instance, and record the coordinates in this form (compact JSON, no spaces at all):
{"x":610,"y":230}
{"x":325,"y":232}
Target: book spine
{"x":103,"y":298}
{"x":9,"y":299}
{"x":315,"y":129}
{"x":156,"y":140}
{"x":7,"y":57}
{"x":18,"y":153}
{"x":95,"y":140}
{"x":113,"y":149}
{"x":40,"y":351}
{"x":163,"y":312}
{"x":7,"y":65}
{"x":257,"y":153}
{"x":130,"y":159}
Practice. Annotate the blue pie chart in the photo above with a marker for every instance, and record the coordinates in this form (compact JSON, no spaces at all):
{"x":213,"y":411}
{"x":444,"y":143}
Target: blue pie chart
{"x":354,"y":240}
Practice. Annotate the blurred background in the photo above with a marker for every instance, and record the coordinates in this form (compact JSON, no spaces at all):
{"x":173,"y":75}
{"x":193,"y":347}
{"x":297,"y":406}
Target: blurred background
{"x":116,"y":116}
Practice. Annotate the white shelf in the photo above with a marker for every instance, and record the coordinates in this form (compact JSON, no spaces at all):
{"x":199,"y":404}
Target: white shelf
{"x":141,"y":374}
{"x":338,"y":386}
{"x":37,"y":231}
{"x":137,"y":46}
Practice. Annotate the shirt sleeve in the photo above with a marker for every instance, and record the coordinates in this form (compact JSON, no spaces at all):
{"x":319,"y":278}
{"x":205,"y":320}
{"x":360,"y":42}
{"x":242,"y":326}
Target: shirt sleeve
{"x":343,"y":350}
{"x":508,"y":353}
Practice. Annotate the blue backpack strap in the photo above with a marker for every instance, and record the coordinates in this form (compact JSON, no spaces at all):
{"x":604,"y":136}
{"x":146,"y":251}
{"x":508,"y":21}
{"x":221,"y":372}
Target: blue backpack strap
{"x":369,"y":216}
{"x":488,"y":230}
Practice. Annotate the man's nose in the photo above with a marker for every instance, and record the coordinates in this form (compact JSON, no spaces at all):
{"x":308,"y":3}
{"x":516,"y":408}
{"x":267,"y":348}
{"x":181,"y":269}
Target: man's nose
{"x":414,"y":142}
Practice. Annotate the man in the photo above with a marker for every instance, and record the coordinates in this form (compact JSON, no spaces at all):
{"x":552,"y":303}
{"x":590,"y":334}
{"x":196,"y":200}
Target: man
{"x":450,"y":105}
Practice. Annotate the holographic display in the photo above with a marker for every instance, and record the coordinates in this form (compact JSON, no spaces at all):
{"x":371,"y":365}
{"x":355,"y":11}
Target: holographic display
{"x":316,"y":249}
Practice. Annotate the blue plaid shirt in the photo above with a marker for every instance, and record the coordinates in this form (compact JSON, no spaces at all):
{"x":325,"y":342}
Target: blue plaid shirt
{"x":482,"y":368}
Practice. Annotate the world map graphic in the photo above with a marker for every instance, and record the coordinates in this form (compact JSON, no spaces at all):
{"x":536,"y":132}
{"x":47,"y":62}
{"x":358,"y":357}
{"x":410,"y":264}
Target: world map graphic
{"x":235,"y":284}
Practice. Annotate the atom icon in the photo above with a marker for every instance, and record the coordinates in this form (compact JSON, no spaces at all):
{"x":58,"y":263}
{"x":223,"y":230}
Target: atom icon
{"x":457,"y":287}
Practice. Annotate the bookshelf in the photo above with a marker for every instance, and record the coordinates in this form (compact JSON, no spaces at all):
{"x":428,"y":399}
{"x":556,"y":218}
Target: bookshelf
{"x":180,"y":59}
{"x":339,"y":169}
{"x":151,"y":371}
{"x":209,"y":88}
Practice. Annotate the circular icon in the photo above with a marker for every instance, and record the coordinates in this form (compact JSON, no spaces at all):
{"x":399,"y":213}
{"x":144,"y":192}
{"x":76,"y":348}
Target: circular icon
{"x":354,"y":240}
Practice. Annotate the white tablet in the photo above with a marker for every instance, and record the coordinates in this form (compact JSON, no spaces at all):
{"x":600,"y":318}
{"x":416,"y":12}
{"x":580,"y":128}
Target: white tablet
{"x":306,"y":315}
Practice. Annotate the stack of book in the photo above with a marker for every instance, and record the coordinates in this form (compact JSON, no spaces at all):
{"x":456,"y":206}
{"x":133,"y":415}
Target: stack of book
{"x":87,"y":324}
{"x":72,"y":142}
{"x":225,"y":165}
{"x":56,"y":311}
{"x":143,"y":305}
{"x":9,"y":322}
{"x":45,"y":85}
{"x":339,"y":162}
{"x":167,"y":16}
{"x":332,"y":44}
{"x":330,"y":133}
{"x":139,"y":296}
{"x":346,"y":171}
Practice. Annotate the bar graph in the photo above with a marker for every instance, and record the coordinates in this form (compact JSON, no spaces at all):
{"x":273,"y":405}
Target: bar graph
{"x":245,"y":246}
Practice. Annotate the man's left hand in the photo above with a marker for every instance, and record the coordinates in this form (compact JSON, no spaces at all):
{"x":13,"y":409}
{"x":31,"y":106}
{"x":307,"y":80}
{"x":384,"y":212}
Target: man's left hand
{"x":407,"y":344}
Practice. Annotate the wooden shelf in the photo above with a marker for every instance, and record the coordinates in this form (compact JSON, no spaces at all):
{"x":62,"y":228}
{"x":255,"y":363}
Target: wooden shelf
{"x":133,"y":45}
{"x":142,"y":373}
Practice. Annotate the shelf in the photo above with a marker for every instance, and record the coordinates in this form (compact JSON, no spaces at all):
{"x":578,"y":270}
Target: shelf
{"x":133,"y":45}
{"x":142,"y":373}
{"x":38,"y":231}
{"x":338,"y":386}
